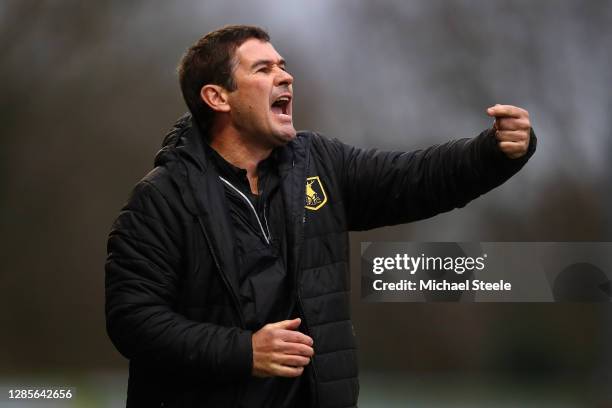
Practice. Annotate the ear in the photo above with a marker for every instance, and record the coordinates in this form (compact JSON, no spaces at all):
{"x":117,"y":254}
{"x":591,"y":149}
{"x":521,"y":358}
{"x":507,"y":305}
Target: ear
{"x":215,"y":96}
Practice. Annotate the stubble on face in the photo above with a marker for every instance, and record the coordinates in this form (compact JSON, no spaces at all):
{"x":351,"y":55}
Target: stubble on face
{"x":261,"y":103}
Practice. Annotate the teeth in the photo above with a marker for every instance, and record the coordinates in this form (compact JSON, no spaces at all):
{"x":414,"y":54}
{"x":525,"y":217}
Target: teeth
{"x":283,"y":99}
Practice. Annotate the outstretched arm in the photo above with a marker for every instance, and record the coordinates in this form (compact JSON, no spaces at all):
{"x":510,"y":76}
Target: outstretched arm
{"x":387,"y":188}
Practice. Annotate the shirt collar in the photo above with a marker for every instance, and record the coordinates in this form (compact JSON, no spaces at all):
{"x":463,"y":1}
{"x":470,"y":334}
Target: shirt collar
{"x":227,"y":169}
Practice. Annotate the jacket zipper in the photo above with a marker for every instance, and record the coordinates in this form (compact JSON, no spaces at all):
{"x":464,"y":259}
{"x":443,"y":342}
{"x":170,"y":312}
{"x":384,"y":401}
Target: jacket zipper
{"x":314,"y":369}
{"x":232,"y":293}
{"x":263,"y":232}
{"x":301,"y":304}
{"x":266,"y":220}
{"x":223,"y":276}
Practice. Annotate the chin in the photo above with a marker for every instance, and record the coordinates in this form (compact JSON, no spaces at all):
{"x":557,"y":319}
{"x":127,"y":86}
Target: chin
{"x":285,"y":136}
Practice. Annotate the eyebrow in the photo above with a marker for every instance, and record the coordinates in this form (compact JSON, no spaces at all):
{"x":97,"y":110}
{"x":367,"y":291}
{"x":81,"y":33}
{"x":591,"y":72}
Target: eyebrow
{"x":259,"y":63}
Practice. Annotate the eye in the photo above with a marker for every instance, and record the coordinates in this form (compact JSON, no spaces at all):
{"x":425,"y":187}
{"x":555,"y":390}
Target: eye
{"x":264,"y":69}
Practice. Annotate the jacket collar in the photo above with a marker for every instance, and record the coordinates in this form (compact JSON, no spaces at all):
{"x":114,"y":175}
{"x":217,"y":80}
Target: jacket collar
{"x":184,"y":154}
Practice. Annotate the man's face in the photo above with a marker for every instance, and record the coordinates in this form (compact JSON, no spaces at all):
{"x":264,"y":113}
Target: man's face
{"x":261,"y":104}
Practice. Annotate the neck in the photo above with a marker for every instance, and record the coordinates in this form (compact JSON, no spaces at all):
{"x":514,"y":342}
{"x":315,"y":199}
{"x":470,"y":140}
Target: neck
{"x":239,"y":151}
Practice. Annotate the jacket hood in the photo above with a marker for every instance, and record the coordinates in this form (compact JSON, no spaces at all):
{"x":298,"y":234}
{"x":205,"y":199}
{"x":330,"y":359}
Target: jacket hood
{"x":185,"y":141}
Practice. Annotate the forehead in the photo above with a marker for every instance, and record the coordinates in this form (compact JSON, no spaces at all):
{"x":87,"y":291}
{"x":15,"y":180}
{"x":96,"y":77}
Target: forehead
{"x":253,"y":50}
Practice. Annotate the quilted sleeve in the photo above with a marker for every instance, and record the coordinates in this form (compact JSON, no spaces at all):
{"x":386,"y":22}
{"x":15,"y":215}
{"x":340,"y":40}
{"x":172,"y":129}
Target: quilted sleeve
{"x":387,"y":188}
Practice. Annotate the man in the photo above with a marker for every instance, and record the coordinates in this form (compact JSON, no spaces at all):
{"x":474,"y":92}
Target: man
{"x":227,"y":279}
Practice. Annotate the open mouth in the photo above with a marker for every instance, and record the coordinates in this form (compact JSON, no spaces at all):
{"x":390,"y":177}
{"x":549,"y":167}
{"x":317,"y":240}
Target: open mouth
{"x":282,"y":105}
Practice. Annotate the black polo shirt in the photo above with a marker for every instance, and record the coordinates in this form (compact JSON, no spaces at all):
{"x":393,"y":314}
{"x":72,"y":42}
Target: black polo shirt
{"x":261,"y":253}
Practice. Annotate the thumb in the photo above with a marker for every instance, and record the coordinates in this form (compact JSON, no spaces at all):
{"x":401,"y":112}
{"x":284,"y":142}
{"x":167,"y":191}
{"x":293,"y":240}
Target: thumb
{"x":288,"y":324}
{"x":491,"y":111}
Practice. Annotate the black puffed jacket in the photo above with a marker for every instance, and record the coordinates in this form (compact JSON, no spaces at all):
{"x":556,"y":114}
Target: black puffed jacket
{"x":172,"y":305}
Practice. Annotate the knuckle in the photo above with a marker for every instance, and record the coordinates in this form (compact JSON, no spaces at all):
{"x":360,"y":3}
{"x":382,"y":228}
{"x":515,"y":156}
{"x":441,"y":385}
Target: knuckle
{"x":277,"y":344}
{"x":274,"y":357}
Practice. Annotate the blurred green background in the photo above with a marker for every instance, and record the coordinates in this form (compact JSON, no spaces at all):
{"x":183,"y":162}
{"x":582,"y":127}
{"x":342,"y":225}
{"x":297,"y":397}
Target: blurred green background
{"x":89,"y":89}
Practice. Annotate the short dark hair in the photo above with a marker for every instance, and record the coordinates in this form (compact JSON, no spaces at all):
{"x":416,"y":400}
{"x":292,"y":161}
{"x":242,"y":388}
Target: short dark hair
{"x":211,"y":61}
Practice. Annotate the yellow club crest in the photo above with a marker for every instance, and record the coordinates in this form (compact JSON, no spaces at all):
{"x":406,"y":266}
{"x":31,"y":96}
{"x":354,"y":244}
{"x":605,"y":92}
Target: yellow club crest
{"x":315,"y":194}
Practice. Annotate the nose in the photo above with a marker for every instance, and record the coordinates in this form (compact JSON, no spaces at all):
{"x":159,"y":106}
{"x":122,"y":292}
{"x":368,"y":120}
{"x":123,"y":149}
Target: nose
{"x":283,"y":78}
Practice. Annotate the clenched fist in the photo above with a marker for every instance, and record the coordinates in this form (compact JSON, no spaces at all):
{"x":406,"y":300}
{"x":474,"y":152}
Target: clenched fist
{"x":280,"y":350}
{"x":512,"y":129}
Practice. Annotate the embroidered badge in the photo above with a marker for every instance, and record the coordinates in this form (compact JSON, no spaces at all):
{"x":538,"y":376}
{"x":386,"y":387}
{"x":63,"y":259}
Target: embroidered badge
{"x":315,"y":194}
